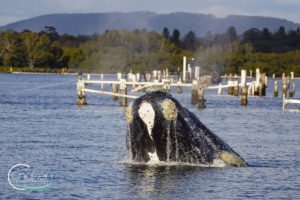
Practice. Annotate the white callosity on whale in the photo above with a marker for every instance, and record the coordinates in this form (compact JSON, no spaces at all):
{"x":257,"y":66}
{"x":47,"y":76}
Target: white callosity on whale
{"x":160,"y":129}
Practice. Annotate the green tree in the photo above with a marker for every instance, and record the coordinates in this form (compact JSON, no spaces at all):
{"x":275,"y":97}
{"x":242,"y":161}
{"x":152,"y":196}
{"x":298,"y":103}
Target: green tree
{"x":36,"y":48}
{"x":166,"y":33}
{"x":10,"y":49}
{"x":175,"y":36}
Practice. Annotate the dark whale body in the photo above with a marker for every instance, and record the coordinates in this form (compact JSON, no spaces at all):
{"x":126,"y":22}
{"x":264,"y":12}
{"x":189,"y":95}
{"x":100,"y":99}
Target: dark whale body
{"x":161,"y":129}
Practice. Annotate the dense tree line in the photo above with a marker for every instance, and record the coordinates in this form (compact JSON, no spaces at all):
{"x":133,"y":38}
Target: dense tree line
{"x":140,"y":50}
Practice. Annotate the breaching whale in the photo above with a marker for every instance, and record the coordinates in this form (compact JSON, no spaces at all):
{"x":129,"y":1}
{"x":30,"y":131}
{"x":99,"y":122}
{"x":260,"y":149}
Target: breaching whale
{"x":161,"y":129}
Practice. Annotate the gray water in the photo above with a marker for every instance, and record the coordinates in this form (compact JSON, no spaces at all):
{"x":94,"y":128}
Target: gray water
{"x":84,"y":147}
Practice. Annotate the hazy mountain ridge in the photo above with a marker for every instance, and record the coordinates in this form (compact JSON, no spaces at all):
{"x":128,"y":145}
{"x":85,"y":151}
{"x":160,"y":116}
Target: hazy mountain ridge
{"x":100,"y":22}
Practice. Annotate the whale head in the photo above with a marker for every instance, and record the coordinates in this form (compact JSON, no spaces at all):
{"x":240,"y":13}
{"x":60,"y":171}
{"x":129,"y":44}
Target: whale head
{"x":161,"y":129}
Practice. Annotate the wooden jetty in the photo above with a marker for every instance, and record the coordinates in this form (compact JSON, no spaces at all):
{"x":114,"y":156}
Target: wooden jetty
{"x":190,"y":77}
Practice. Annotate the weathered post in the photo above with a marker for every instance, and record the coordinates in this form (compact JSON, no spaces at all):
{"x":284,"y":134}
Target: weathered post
{"x":244,"y":92}
{"x":123,"y":90}
{"x":148,"y":77}
{"x":138,"y":77}
{"x":197,"y":72}
{"x":164,"y":74}
{"x":225,"y":77}
{"x":263,"y":83}
{"x":189,"y":72}
{"x":200,"y":98}
{"x":166,"y":85}
{"x":184,"y":69}
{"x":260,"y":89}
{"x":230,"y":88}
{"x":81,"y":100}
{"x":133,"y":81}
{"x":250,"y":73}
{"x":258,"y":84}
{"x":236,"y":88}
{"x":249,"y":89}
{"x":179,"y":87}
{"x":273,"y":76}
{"x":294,"y":88}
{"x":288,"y":82}
{"x":154,"y":74}
{"x":102,"y":85}
{"x":115,"y":90}
{"x":119,"y":75}
{"x":220,"y":89}
{"x":88,"y":78}
{"x":230,"y":76}
{"x":275,"y":89}
{"x":284,"y":87}
{"x":159,"y":75}
{"x":194,"y":92}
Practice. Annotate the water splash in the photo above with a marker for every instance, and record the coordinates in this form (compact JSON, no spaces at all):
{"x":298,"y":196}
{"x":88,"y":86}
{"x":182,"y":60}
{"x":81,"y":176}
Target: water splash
{"x":168,"y":146}
{"x":176,"y":142}
{"x":129,"y":144}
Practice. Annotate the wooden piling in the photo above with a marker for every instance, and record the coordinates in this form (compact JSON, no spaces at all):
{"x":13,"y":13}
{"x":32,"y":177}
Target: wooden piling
{"x":273,"y":77}
{"x":88,"y":78}
{"x":200,"y":98}
{"x":288,"y":82}
{"x":115,"y":90}
{"x":166,"y":85}
{"x":294,"y":87}
{"x":184,"y":69}
{"x":284,"y":86}
{"x":244,"y":91}
{"x":236,"y":88}
{"x":284,"y":90}
{"x":123,"y":90}
{"x":81,"y":100}
{"x":225,"y":77}
{"x":154,"y":73}
{"x":102,"y":85}
{"x":119,"y":75}
{"x":159,"y":77}
{"x":138,"y":77}
{"x":263,"y":84}
{"x":194,"y":92}
{"x":230,"y":76}
{"x":230,"y":88}
{"x":220,"y":89}
{"x":133,"y":80}
{"x":275,"y":89}
{"x":250,"y":73}
{"x":148,"y":77}
{"x":179,"y":88}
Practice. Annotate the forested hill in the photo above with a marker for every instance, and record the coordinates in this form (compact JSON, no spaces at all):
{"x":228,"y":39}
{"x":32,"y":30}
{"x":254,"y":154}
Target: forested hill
{"x":201,"y":24}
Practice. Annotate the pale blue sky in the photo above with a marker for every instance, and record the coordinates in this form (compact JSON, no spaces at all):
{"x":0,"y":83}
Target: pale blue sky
{"x":14,"y":10}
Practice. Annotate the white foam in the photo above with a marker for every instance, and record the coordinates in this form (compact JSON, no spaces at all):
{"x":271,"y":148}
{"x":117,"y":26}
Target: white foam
{"x":153,"y":157}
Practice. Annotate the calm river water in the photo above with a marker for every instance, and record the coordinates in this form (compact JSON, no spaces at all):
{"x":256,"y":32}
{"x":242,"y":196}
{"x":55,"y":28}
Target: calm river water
{"x":84,"y":147}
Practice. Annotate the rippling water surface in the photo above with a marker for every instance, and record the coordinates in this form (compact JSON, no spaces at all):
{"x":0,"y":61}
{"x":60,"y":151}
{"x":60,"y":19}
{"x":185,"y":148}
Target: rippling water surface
{"x":84,"y":147}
